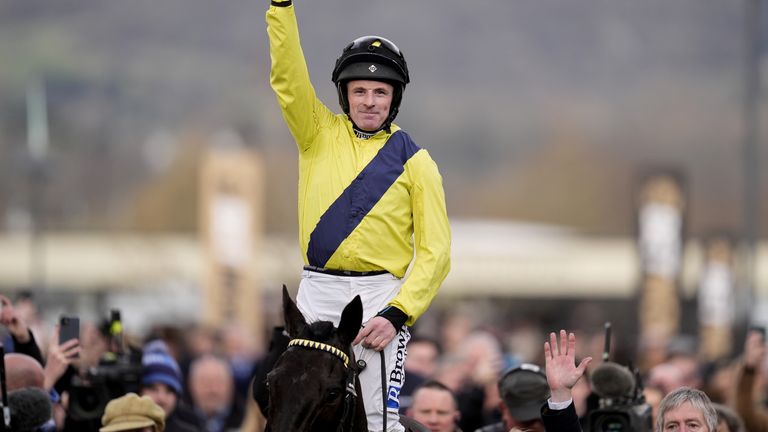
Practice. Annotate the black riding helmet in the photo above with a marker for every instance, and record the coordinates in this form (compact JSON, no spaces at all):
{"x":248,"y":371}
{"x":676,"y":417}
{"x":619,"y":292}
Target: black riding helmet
{"x":372,"y":58}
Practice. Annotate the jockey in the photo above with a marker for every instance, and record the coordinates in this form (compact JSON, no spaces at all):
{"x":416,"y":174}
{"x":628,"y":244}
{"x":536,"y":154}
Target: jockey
{"x":371,"y":202}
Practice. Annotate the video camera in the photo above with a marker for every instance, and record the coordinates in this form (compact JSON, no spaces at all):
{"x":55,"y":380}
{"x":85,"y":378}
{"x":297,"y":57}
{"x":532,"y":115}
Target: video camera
{"x":622,"y":406}
{"x":118,"y":372}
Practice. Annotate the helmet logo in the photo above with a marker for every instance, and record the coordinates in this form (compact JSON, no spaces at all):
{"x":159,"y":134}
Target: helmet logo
{"x":372,"y":68}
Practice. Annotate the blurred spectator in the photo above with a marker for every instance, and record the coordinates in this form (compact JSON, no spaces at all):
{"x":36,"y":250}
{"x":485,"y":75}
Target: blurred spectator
{"x":423,"y":355}
{"x":434,"y":405}
{"x":480,"y":362}
{"x":749,"y":391}
{"x":653,"y":396}
{"x":420,"y":366}
{"x":211,"y":388}
{"x":654,"y":347}
{"x":456,"y":328}
{"x":523,"y":341}
{"x":690,"y":369}
{"x":133,"y":413}
{"x":664,"y":376}
{"x":26,"y":309}
{"x":562,"y":373}
{"x":239,"y":348}
{"x":686,"y":409}
{"x":728,"y":420}
{"x":59,"y":357}
{"x":24,"y":367}
{"x":161,"y":381}
{"x":199,"y":341}
{"x":22,"y":340}
{"x":718,"y":378}
{"x":22,"y":371}
{"x":523,"y":391}
{"x":94,"y":343}
{"x":96,"y":377}
{"x":173,"y":336}
{"x":681,"y":369}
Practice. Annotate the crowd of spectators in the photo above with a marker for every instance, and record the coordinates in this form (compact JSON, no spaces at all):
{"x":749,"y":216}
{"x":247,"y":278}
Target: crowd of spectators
{"x":198,"y":379}
{"x":172,"y":379}
{"x":494,"y":390}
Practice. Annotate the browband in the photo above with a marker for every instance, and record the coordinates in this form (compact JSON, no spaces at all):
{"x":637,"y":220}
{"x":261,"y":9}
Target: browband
{"x":306,"y":343}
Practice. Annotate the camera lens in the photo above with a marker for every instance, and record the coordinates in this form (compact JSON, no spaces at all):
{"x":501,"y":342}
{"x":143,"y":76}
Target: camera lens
{"x":612,"y":424}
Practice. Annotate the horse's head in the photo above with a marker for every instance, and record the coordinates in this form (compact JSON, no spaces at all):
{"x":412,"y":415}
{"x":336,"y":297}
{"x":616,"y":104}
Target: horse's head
{"x":307,"y":386}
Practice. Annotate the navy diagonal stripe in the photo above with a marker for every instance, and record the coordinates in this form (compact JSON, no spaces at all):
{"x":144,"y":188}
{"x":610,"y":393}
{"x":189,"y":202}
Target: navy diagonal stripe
{"x":345,"y":214}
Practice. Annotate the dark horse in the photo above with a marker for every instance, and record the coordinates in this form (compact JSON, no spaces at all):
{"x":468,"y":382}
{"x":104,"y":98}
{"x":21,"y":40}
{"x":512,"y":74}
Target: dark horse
{"x":313,"y":386}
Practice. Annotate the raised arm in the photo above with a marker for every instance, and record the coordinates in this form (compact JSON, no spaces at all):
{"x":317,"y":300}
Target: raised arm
{"x":559,"y":413}
{"x":747,"y":406}
{"x":289,"y":75}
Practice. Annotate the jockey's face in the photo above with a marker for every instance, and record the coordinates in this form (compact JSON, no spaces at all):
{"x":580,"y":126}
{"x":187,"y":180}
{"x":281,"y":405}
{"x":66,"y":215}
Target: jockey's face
{"x":369,"y":103}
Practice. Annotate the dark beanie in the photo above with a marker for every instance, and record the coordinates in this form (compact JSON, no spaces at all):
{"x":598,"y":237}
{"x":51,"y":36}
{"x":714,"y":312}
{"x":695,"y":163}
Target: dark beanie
{"x":160,"y":367}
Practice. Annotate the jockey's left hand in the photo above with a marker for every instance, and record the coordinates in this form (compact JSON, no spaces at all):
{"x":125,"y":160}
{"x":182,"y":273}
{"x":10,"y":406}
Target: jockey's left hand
{"x":376,"y":334}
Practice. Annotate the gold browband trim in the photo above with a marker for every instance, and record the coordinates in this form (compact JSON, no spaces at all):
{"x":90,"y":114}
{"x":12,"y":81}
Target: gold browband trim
{"x":306,"y":343}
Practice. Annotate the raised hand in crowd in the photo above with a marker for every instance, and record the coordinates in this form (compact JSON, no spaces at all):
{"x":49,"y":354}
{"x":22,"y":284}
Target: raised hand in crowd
{"x":754,"y":350}
{"x":749,"y":384}
{"x":60,"y":356}
{"x":559,"y":413}
{"x":560,"y":364}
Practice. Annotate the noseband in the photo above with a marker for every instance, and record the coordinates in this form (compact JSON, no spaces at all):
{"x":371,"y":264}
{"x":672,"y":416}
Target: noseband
{"x":351,"y":395}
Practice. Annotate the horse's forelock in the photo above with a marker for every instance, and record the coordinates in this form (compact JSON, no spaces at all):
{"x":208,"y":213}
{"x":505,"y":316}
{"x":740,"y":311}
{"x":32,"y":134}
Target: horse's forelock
{"x":321,"y":331}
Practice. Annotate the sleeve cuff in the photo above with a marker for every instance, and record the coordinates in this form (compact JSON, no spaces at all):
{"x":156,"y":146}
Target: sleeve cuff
{"x":279,"y":3}
{"x":558,"y":406}
{"x":395,"y":316}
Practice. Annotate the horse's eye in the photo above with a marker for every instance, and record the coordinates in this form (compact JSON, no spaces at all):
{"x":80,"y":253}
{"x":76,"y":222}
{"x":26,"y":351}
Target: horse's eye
{"x":332,"y":395}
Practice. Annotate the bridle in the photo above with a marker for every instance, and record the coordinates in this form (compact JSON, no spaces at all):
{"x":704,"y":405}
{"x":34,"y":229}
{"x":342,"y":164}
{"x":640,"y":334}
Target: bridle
{"x":306,"y":343}
{"x":350,"y":398}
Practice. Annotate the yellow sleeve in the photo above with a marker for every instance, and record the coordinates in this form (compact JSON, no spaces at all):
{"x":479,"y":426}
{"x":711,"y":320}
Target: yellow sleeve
{"x":289,"y":76}
{"x":432,"y":239}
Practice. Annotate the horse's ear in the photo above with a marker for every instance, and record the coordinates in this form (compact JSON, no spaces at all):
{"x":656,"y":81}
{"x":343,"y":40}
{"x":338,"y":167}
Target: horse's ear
{"x":351,"y":318}
{"x":294,"y":320}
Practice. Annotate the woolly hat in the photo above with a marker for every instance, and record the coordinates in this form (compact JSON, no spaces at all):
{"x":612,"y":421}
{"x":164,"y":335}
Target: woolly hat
{"x":160,"y":367}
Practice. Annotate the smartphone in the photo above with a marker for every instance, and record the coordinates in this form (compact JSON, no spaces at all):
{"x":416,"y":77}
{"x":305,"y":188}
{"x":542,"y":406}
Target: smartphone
{"x":69,"y":328}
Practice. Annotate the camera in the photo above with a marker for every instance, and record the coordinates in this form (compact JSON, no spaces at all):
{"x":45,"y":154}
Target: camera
{"x":622,"y":406}
{"x":112,"y":378}
{"x":634,"y":418}
{"x":118,"y":372}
